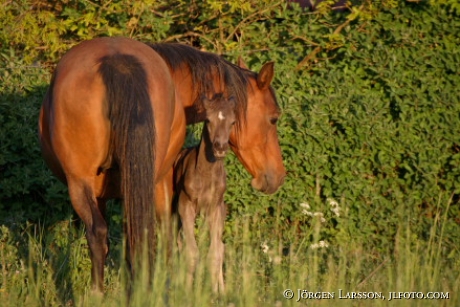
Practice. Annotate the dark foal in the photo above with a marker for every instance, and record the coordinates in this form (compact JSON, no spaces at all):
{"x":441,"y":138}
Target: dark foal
{"x":200,"y":180}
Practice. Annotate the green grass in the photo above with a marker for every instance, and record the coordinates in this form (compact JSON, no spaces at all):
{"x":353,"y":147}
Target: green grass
{"x":51,"y":267}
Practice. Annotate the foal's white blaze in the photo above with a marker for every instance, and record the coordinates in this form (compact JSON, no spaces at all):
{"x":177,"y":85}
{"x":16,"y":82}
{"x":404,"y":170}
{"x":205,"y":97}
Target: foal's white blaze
{"x":221,"y":116}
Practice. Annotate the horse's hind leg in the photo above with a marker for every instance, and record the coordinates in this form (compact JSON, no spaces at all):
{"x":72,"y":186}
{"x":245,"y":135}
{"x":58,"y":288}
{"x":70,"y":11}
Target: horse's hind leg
{"x":216,"y":219}
{"x":163,"y":199}
{"x":91,"y":211}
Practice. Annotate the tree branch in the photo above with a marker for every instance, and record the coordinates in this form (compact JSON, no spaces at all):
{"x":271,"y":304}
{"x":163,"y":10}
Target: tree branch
{"x":245,"y":20}
{"x":306,"y":60}
{"x":190,"y":34}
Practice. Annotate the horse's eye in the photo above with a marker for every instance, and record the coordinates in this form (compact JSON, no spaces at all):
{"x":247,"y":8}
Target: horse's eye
{"x":233,"y":123}
{"x":274,"y":120}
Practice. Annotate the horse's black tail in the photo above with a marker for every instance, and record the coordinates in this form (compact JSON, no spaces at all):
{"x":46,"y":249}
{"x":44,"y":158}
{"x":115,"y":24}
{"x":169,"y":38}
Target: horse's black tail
{"x":132,"y":147}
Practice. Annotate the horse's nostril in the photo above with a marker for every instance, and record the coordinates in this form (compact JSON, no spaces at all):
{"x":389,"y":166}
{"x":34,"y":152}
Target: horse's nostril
{"x":220,"y":146}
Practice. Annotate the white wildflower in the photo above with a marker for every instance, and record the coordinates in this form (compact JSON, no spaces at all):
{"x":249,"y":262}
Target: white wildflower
{"x":264,"y":247}
{"x":305,"y":205}
{"x":306,"y":208}
{"x":334,"y":206}
{"x":320,"y":244}
{"x":320,"y":215}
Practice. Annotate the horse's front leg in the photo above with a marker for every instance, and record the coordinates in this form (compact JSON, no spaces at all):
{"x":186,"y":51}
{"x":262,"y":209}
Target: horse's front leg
{"x":216,"y":220}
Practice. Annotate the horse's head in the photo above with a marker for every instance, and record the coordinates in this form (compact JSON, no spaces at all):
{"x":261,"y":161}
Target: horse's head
{"x":220,"y":118}
{"x":256,"y":141}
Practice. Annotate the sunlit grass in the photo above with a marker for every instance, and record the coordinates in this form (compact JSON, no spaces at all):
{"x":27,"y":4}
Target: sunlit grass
{"x":54,"y":270}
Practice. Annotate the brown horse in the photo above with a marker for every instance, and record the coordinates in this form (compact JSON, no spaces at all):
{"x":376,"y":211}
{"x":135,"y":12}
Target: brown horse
{"x":254,"y":139}
{"x":110,"y":127}
{"x":200,"y":184}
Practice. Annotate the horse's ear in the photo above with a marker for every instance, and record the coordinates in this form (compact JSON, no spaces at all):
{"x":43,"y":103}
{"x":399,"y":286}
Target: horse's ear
{"x":241,"y":63}
{"x":265,"y":76}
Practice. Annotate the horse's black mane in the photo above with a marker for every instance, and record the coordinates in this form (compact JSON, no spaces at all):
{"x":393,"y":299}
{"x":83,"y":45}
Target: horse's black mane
{"x":202,"y":66}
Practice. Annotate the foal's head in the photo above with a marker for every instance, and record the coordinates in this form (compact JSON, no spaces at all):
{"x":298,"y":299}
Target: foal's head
{"x":220,"y":118}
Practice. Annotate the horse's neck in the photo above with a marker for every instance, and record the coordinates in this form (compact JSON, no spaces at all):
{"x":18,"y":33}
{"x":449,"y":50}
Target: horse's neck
{"x":189,"y":98}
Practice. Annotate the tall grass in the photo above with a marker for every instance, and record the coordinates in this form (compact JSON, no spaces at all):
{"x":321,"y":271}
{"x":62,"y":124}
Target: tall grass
{"x":51,"y":267}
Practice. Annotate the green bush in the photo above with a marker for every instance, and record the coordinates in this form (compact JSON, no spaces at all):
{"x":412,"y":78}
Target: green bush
{"x":27,"y":188}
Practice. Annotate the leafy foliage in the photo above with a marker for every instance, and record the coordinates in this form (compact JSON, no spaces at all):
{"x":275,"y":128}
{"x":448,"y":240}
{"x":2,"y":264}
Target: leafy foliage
{"x":26,"y":185}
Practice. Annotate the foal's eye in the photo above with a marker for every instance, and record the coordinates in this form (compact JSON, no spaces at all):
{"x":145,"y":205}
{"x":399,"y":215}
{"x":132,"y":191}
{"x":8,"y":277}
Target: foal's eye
{"x":274,"y":120}
{"x":233,"y":123}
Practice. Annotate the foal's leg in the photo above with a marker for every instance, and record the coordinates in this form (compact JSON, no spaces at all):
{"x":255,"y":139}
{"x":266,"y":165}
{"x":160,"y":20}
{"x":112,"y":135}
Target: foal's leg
{"x":91,"y":211}
{"x":216,"y":219}
{"x":187,"y":214}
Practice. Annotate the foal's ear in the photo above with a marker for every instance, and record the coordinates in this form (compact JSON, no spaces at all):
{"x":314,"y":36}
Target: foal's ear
{"x":202,"y":105}
{"x":206,"y":101}
{"x":265,"y":76}
{"x":241,"y":63}
{"x":232,"y":101}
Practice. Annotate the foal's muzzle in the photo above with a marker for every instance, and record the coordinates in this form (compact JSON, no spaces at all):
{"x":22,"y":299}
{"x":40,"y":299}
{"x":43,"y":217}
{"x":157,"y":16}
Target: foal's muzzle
{"x":220,"y":150}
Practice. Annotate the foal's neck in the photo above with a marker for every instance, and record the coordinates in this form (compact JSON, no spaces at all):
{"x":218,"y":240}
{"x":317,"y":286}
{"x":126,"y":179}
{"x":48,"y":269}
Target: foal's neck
{"x":206,"y":160}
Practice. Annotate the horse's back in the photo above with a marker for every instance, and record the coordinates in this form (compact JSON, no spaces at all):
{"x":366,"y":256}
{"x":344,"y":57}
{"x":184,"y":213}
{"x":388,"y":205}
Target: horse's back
{"x":74,"y":122}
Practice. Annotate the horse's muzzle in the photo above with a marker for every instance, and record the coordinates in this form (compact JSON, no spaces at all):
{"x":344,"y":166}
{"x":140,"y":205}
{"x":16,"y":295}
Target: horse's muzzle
{"x":268,"y":183}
